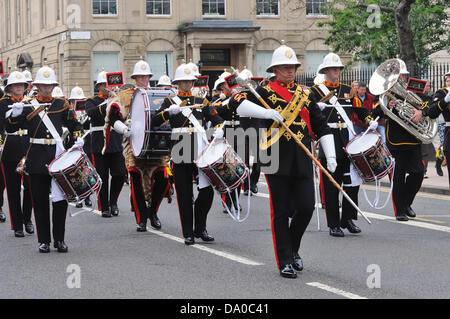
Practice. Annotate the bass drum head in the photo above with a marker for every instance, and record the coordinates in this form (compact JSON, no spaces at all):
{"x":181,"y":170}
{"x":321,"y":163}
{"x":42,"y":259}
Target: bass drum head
{"x":65,"y":160}
{"x":360,"y":143}
{"x":138,"y":119}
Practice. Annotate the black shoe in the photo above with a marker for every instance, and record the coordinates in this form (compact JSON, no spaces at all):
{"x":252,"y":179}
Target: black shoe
{"x":19,"y":233}
{"x":254,"y":189}
{"x":189,"y":241}
{"x":88,"y":202}
{"x":298,"y":262}
{"x":402,"y":217}
{"x":154,"y":221}
{"x":410,"y":212}
{"x":288,"y":271}
{"x":29,"y":228}
{"x":142,"y":227}
{"x":351,"y":227}
{"x":106,"y":214}
{"x":44,"y":248}
{"x":204,"y":236}
{"x":79,"y":205}
{"x":2,"y":216}
{"x":61,"y":246}
{"x":114,"y":210}
{"x":439,"y":167}
{"x":336,"y":232}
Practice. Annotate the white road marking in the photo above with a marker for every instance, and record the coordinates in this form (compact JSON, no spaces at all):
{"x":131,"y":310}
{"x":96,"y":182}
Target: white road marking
{"x":334,"y":290}
{"x":236,"y":258}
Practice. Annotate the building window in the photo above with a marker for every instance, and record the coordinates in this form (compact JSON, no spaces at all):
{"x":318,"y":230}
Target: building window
{"x":43,"y":13}
{"x":314,"y":58}
{"x":19,"y":19}
{"x":8,"y":18}
{"x":267,"y":7}
{"x":109,"y":61}
{"x":104,"y":7}
{"x":28,"y":16}
{"x":159,"y":7}
{"x":213,"y":7}
{"x":263,"y":61}
{"x":160,"y":64}
{"x":316,"y":7}
{"x":59,"y":10}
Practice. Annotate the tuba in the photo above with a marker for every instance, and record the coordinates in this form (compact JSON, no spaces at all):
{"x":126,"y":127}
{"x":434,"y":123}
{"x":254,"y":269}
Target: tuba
{"x":386,"y":83}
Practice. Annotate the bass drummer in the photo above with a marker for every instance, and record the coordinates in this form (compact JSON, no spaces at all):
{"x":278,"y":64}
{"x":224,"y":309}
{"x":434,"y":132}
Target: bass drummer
{"x":45,"y":126}
{"x":149,"y":178}
{"x":189,"y":128}
{"x":111,"y":162}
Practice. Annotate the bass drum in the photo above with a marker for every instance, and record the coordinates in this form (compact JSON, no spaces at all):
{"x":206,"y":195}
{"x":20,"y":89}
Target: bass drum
{"x":147,"y":143}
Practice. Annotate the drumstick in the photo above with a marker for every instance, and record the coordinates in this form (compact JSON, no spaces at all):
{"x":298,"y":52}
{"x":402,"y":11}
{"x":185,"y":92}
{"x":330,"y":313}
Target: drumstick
{"x":368,"y":129}
{"x":311,"y":156}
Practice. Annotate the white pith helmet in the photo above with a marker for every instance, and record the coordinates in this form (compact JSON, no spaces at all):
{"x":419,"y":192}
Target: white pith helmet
{"x":331,"y":60}
{"x":283,"y":55}
{"x":184,"y":73}
{"x":141,"y":68}
{"x":77,"y":93}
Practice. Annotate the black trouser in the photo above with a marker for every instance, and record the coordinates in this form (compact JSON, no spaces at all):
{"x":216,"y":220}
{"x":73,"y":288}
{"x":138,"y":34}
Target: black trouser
{"x":256,"y":168}
{"x":20,"y":213}
{"x":160,"y":187}
{"x":2,"y":187}
{"x":405,"y":187}
{"x":447,"y":156}
{"x":40,"y":190}
{"x":289,"y":197}
{"x":109,"y":164}
{"x":331,"y":194}
{"x":183,"y":175}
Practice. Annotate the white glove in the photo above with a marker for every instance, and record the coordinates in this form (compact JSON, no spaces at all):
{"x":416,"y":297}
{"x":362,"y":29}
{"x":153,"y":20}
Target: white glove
{"x":17,"y":109}
{"x":174,"y":109}
{"x":218,"y":133}
{"x":250,"y":109}
{"x":373,"y":125}
{"x":122,"y":129}
{"x":273,"y":115}
{"x":447,"y":98}
{"x":321,"y":105}
{"x":79,"y":142}
{"x":327,"y":143}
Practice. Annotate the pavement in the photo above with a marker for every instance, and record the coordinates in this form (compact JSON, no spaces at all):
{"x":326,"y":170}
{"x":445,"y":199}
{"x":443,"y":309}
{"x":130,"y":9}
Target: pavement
{"x":432,"y":183}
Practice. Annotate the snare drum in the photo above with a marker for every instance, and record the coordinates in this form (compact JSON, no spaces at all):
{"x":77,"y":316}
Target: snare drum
{"x":370,"y":156}
{"x":147,"y":144}
{"x":222,"y":166}
{"x":75,"y":175}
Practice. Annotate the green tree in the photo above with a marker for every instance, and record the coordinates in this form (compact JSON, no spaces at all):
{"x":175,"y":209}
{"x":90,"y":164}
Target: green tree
{"x":376,"y":30}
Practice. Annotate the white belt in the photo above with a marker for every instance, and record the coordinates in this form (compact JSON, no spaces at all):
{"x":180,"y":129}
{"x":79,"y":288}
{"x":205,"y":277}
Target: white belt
{"x":19,"y":132}
{"x":339,"y":125}
{"x":43,"y":141}
{"x":447,"y":124}
{"x":179,"y":130}
{"x":232,"y":123}
{"x":96,"y":128}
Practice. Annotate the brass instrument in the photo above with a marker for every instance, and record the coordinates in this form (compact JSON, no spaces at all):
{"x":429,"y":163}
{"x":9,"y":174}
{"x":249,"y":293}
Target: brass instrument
{"x":386,"y":83}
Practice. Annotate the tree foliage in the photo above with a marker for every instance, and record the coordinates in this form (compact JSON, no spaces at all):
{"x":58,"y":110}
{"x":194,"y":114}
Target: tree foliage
{"x":371,"y":34}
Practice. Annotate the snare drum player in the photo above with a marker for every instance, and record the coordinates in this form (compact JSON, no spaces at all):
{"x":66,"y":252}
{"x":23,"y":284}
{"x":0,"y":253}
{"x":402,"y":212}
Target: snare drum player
{"x":338,"y":106}
{"x":15,"y":145}
{"x":291,"y":186}
{"x":149,"y":178}
{"x":185,"y":170}
{"x":45,"y":126}
{"x":111,"y":162}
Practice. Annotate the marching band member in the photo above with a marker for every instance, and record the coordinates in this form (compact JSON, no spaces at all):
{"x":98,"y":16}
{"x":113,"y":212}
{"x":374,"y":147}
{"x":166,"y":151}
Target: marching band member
{"x":14,"y":149}
{"x":338,"y":111}
{"x":149,"y":178}
{"x":111,"y":161}
{"x":45,"y":126}
{"x":220,"y":103}
{"x":76,"y":96}
{"x":185,"y":171}
{"x":164,"y":82}
{"x":291,"y":187}
{"x":406,"y":150}
{"x":441,"y":105}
